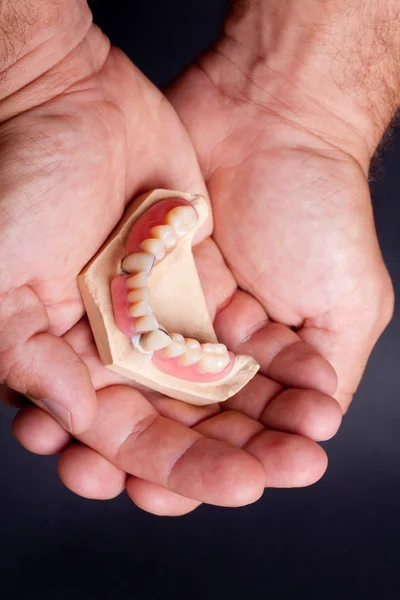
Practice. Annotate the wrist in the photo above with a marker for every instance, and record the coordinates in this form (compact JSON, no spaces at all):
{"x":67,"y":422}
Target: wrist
{"x":45,"y":47}
{"x":330,"y":67}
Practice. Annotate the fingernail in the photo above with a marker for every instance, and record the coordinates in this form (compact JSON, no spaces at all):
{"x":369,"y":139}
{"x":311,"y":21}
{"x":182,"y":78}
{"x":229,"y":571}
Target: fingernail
{"x":59,"y":412}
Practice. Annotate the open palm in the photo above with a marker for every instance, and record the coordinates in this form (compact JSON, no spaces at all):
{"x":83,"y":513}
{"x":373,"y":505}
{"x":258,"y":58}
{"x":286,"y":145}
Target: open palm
{"x":71,"y":166}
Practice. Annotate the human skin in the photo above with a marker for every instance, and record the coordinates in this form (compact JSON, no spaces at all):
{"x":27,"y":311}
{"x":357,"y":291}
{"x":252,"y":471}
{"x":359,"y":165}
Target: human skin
{"x":77,"y":159}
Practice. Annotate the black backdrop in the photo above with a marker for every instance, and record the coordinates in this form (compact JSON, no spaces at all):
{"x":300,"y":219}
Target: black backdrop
{"x":339,"y":539}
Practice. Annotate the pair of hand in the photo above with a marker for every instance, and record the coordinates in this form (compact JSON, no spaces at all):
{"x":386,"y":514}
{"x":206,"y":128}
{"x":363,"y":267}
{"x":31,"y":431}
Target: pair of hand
{"x":292,"y":275}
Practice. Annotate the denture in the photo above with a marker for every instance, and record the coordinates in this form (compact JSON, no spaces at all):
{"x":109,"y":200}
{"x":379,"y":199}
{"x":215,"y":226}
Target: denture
{"x":146,"y":307}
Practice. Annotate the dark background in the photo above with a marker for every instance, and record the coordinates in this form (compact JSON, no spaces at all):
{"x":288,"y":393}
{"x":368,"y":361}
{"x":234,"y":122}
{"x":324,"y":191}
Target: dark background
{"x":339,"y":539}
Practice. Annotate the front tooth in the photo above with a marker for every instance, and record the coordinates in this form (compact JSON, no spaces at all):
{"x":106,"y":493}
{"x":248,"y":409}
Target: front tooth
{"x":182,"y":219}
{"x":138,"y":262}
{"x":146,"y":323}
{"x":139,"y":280}
{"x":138,"y":295}
{"x":155,"y":340}
{"x":192,"y":354}
{"x":215,"y":358}
{"x":177,"y":346}
{"x":153,"y":246}
{"x":139,"y":309}
{"x":165,"y":233}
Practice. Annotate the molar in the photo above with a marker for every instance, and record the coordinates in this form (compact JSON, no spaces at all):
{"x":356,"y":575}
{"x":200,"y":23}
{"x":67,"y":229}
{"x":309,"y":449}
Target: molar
{"x":192,"y":353}
{"x":138,"y":262}
{"x":182,"y":219}
{"x":214,"y":359}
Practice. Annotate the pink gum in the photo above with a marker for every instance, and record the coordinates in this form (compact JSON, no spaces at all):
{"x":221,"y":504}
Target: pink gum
{"x":172,"y":366}
{"x":123,"y":319}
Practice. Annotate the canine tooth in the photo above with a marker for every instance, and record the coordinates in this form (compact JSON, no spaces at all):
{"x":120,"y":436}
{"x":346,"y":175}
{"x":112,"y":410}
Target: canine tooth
{"x":215,"y":358}
{"x":155,"y":340}
{"x":165,"y":233}
{"x":146,"y":323}
{"x":137,"y":281}
{"x":192,"y":354}
{"x":138,"y":262}
{"x":153,"y":246}
{"x":138,"y":295}
{"x":139,"y":309}
{"x":182,"y":219}
{"x":176,"y":347}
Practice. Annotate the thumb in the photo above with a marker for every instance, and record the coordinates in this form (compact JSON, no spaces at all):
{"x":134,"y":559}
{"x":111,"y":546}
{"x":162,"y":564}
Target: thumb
{"x":41,"y":365}
{"x":348,"y":348}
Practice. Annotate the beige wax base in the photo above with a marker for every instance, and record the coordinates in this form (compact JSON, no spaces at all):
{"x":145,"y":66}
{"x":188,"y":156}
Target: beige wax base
{"x":177,"y":300}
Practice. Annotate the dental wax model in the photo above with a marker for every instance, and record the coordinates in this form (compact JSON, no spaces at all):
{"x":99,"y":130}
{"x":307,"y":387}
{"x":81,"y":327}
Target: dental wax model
{"x":146,"y":306}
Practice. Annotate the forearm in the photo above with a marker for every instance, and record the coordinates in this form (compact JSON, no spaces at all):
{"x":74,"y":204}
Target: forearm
{"x":312,"y":58}
{"x":45,"y":46}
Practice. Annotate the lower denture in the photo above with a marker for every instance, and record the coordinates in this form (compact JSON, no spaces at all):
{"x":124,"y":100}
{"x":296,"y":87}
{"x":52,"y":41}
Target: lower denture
{"x":172,"y":366}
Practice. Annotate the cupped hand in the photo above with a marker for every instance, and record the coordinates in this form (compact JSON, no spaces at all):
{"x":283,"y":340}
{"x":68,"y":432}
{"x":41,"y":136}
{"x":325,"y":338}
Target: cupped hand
{"x":170,"y":456}
{"x":292,"y":210}
{"x":69,"y":167}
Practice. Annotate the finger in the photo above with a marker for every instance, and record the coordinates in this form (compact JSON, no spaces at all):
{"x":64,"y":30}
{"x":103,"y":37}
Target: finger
{"x":42,"y":366}
{"x":305,"y":412}
{"x":38,"y":432}
{"x":157,"y":500}
{"x":347,"y":351}
{"x":88,"y":474}
{"x":179,"y":411}
{"x":288,"y":460}
{"x":282,"y":355}
{"x":231,"y":427}
{"x":130,"y":433}
{"x":254,"y":397}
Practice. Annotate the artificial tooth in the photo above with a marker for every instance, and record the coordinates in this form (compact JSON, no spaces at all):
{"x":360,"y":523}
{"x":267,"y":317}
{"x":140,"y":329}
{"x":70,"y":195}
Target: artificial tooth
{"x":140,"y":309}
{"x":138,"y":262}
{"x":155,"y":340}
{"x":182,"y":219}
{"x":165,"y":233}
{"x":176,"y":347}
{"x":192,"y":353}
{"x":138,"y":295}
{"x":139,"y":280}
{"x":215,"y":358}
{"x":214,"y":348}
{"x":146,"y":323}
{"x":153,"y":246}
